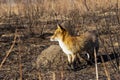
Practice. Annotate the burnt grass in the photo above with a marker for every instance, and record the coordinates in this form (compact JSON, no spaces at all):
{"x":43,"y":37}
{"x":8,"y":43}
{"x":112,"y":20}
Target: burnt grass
{"x":30,"y":43}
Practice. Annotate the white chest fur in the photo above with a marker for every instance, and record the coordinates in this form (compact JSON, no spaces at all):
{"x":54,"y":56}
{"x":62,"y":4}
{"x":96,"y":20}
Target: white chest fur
{"x":64,"y":48}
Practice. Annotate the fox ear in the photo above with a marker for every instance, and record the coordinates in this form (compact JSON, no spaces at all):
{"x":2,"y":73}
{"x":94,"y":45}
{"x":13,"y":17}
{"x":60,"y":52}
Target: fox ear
{"x":60,"y":27}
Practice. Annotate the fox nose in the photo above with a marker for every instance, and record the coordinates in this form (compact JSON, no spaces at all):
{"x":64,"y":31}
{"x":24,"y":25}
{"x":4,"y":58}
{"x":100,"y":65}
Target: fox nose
{"x":51,"y":39}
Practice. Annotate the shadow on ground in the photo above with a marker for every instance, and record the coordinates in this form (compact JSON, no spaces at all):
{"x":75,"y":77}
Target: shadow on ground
{"x":108,"y":57}
{"x":102,"y":58}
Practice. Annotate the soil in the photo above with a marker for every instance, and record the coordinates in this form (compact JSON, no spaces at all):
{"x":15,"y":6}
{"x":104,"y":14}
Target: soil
{"x":21,"y":63}
{"x":25,"y":54}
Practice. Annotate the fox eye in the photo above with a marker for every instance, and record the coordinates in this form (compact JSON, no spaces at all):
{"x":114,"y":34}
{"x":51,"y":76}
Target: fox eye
{"x":55,"y":33}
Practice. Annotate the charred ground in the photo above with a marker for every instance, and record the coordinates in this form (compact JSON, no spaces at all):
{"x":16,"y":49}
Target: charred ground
{"x":32,"y":37}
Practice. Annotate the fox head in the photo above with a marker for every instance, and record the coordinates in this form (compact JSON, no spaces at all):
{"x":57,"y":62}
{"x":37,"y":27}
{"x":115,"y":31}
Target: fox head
{"x":58,"y":34}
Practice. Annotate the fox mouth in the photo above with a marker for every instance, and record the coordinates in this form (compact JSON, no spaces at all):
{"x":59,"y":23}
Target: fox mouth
{"x":52,"y":39}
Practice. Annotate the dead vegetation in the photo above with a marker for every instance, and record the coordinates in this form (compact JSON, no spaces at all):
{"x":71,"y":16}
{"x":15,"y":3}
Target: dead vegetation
{"x":25,"y":28}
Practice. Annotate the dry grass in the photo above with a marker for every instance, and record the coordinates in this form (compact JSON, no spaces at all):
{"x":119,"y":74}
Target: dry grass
{"x":35,"y":19}
{"x":96,"y":66}
{"x":62,"y":7}
{"x":9,"y":51}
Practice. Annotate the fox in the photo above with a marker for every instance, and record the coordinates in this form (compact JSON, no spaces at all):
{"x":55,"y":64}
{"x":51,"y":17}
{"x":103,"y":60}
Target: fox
{"x":73,"y":46}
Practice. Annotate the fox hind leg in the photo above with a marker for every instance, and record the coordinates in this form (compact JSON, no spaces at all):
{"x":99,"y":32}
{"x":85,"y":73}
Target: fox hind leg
{"x":91,"y":53}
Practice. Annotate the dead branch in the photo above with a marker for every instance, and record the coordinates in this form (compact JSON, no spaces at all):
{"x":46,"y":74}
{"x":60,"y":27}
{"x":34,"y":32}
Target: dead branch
{"x":96,"y":67}
{"x":20,"y":60}
{"x":105,"y":69}
{"x":8,"y":52}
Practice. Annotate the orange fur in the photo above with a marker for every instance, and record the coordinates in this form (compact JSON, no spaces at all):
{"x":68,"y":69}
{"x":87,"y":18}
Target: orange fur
{"x":73,"y":45}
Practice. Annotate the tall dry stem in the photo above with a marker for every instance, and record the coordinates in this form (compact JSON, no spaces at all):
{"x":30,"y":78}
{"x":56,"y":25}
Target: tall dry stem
{"x":105,"y":69}
{"x":54,"y":75}
{"x":39,"y":76}
{"x":96,"y":67}
{"x":8,"y":52}
{"x":20,"y":64}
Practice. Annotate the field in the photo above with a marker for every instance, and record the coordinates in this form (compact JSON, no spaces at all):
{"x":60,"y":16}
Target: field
{"x":26,"y":28}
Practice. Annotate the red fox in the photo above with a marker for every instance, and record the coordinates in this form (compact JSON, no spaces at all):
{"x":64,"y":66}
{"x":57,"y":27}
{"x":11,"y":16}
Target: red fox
{"x":75,"y":45}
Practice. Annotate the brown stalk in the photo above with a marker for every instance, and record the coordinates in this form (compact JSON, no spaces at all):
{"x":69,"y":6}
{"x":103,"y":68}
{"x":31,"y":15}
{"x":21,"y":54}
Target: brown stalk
{"x":8,"y":52}
{"x":54,"y":76}
{"x":96,"y":67}
{"x":62,"y":75}
{"x":20,"y":64}
{"x":39,"y":76}
{"x":105,"y":69}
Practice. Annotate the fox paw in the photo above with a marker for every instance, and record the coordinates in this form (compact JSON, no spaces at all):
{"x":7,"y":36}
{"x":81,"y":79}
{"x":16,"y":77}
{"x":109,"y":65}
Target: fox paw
{"x":90,"y":63}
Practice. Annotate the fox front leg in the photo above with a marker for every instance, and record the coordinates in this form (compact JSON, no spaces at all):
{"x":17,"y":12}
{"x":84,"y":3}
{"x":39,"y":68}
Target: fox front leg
{"x":72,"y":61}
{"x":69,"y":59}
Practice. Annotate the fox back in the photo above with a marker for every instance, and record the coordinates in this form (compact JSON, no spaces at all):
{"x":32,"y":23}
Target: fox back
{"x":76,"y":44}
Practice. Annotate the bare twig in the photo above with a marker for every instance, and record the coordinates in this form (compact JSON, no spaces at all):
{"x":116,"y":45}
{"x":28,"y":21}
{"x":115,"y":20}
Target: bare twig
{"x":111,"y":41}
{"x":85,"y":3}
{"x":39,"y":76}
{"x":8,"y":52}
{"x":117,"y":11}
{"x":20,"y":64}
{"x":105,"y":69}
{"x":111,"y":62}
{"x":62,"y":75}
{"x":96,"y":67}
{"x":118,"y":39}
{"x":54,"y":78}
